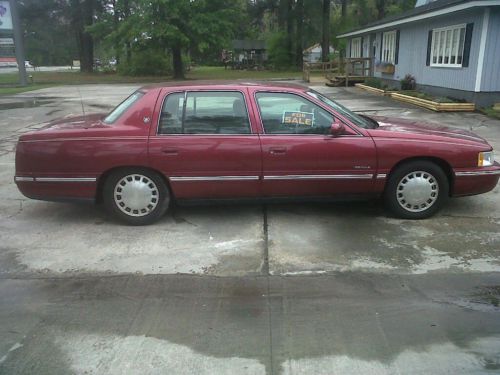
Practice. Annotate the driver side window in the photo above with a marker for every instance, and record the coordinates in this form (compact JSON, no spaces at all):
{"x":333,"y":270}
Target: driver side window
{"x":291,"y":114}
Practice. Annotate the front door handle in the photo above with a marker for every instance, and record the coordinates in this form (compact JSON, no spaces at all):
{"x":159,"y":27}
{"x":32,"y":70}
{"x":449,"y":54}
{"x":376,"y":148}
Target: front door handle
{"x":277,"y":150}
{"x":170,"y":151}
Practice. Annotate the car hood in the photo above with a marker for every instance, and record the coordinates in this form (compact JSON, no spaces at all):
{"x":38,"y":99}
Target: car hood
{"x":396,"y":126}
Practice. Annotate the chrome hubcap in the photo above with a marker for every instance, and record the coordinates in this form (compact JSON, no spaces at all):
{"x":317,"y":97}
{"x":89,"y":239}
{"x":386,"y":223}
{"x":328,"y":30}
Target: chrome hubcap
{"x":417,"y":191}
{"x":136,"y":195}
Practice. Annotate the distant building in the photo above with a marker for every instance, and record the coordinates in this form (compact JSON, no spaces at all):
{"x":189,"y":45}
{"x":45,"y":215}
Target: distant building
{"x":313,"y":53}
{"x":249,"y":53}
{"x":451,"y":47}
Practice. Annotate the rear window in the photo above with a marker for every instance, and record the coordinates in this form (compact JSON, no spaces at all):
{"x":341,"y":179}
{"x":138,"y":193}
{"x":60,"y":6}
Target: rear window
{"x":122,"y":107}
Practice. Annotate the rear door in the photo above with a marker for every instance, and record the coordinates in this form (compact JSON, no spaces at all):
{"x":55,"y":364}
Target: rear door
{"x":206,"y":145}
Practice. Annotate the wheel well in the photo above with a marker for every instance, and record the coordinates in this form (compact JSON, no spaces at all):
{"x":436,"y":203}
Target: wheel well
{"x":443,"y":164}
{"x":102,"y":178}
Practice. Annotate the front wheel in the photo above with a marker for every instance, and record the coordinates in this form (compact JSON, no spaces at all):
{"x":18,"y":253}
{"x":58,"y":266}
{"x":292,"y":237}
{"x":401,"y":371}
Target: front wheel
{"x":416,"y":190}
{"x":136,"y":196}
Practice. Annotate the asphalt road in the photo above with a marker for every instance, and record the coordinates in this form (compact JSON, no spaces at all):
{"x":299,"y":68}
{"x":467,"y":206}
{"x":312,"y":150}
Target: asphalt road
{"x":275,"y":289}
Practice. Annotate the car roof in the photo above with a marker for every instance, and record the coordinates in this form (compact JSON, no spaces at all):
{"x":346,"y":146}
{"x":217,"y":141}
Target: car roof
{"x":228,"y":84}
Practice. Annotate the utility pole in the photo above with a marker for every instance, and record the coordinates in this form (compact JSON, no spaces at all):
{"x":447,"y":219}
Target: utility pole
{"x":18,"y":43}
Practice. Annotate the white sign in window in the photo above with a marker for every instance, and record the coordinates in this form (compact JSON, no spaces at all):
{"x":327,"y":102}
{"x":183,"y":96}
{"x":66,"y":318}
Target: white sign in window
{"x":5,"y":16}
{"x":447,"y":47}
{"x":389,"y":47}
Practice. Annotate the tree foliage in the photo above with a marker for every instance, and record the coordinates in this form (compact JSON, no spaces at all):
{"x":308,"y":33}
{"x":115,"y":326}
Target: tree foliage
{"x":158,"y":36}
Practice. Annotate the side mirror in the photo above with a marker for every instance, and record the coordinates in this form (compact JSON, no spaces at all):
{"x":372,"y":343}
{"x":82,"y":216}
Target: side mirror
{"x":337,"y":129}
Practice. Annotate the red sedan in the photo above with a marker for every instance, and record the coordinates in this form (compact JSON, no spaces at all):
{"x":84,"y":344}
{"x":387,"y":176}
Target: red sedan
{"x":233,"y":141}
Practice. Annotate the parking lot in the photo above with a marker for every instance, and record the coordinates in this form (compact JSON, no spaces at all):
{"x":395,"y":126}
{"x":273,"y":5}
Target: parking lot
{"x":305,"y":288}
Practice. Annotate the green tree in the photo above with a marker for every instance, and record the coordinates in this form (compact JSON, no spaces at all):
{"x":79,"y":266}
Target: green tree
{"x":46,"y":28}
{"x":173,"y":26}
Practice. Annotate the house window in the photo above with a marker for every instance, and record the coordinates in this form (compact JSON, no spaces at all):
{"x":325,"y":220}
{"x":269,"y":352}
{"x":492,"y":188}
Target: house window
{"x":448,"y":46}
{"x":389,"y":47}
{"x":356,"y":47}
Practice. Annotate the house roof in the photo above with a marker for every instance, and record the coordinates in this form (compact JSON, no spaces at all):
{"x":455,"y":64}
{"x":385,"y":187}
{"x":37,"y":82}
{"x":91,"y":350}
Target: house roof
{"x":432,"y":9}
{"x":308,"y":50}
{"x":313,"y":47}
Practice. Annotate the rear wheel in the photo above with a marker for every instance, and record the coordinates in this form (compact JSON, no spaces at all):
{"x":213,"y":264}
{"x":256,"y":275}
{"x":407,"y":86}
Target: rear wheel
{"x":416,"y":190}
{"x":136,"y":196}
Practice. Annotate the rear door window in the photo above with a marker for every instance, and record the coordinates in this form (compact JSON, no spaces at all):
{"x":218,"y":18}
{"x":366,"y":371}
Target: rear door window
{"x":204,"y":112}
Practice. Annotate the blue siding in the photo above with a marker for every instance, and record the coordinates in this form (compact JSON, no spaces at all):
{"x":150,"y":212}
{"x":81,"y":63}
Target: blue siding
{"x":491,"y":67}
{"x":413,"y":51}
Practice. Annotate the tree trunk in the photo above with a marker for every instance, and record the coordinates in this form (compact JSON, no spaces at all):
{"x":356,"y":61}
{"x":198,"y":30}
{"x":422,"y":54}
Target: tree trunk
{"x":325,"y":43}
{"x":282,"y":14}
{"x":87,"y":43}
{"x":344,"y":9}
{"x":289,"y":31}
{"x":116,"y":19}
{"x":299,"y":12}
{"x":126,"y":14}
{"x":177,"y":62}
{"x":380,"y":4}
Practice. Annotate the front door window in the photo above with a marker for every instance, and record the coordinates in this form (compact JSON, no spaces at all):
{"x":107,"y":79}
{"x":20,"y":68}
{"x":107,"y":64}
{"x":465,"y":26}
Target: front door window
{"x":291,"y":114}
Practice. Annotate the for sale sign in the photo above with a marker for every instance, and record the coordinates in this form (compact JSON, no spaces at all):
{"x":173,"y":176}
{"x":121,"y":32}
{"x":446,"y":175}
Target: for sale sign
{"x":297,"y":118}
{"x":5,"y":16}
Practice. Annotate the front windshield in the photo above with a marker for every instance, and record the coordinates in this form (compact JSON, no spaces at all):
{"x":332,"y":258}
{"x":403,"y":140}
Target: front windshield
{"x":122,"y":107}
{"x":351,"y":116}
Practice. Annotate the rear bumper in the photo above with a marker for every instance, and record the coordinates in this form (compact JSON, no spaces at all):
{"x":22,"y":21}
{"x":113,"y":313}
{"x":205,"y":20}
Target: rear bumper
{"x":57,"y":188}
{"x":471,"y":181}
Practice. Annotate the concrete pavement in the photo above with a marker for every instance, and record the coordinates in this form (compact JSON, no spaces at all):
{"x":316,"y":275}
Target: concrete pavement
{"x":277,"y":289}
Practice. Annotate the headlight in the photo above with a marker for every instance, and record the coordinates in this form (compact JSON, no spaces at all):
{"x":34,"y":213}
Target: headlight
{"x":485,"y":159}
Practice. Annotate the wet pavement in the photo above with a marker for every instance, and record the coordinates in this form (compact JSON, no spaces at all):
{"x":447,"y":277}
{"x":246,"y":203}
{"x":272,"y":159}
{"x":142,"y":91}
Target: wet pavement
{"x":300,"y":288}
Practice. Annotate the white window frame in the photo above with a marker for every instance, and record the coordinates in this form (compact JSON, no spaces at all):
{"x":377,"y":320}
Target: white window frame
{"x":389,"y":46}
{"x":439,"y":50}
{"x":356,"y":47}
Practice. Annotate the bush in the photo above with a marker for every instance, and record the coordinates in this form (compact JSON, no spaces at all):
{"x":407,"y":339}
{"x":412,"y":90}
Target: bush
{"x":146,"y":62}
{"x":375,"y":82}
{"x":408,"y":82}
{"x":279,"y":56}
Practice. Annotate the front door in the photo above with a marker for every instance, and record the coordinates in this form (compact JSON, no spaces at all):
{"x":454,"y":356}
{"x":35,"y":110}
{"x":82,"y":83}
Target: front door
{"x":301,"y":158}
{"x":205,"y":145}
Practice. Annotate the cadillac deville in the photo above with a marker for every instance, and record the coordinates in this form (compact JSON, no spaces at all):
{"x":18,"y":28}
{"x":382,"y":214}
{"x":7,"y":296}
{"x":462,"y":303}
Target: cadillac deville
{"x":212,"y":141}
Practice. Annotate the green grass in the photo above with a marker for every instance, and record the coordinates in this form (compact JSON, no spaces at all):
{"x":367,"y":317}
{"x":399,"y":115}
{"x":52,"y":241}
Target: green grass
{"x":9,"y":81}
{"x":216,"y":72}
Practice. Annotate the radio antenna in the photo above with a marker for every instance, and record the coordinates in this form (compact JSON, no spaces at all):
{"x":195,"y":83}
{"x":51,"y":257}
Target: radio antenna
{"x":81,"y":100}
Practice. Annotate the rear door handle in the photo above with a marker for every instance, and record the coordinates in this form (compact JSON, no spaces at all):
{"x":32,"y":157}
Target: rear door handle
{"x":170,"y":151}
{"x":277,"y":150}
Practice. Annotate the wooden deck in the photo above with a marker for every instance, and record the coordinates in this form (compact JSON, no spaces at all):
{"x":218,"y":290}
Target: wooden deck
{"x":343,"y":72}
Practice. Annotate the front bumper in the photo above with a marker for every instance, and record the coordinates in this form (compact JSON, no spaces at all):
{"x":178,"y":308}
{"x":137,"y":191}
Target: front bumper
{"x":471,"y":181}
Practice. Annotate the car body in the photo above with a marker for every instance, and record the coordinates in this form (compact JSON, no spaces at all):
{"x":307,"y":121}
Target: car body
{"x":205,"y":141}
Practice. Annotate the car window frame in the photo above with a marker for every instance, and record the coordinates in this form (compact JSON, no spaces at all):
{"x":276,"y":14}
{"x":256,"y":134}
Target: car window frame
{"x":252,"y":132}
{"x":312,"y":100}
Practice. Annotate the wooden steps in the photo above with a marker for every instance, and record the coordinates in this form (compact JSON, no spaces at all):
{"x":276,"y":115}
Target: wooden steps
{"x":340,"y":80}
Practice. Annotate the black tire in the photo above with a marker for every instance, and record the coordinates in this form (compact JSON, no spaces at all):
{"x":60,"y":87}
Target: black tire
{"x":419,"y":202}
{"x":145,"y":189}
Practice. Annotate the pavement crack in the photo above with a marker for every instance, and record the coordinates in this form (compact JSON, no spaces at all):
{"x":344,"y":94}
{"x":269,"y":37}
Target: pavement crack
{"x":265,"y":271}
{"x":264,"y":267}
{"x":20,"y":209}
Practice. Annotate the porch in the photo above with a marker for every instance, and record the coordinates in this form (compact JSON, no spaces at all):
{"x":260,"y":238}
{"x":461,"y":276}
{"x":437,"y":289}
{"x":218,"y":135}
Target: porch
{"x":339,"y":72}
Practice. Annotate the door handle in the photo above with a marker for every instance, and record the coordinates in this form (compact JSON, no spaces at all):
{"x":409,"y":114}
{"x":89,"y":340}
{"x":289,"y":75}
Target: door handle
{"x":277,"y":150}
{"x":170,"y":151}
